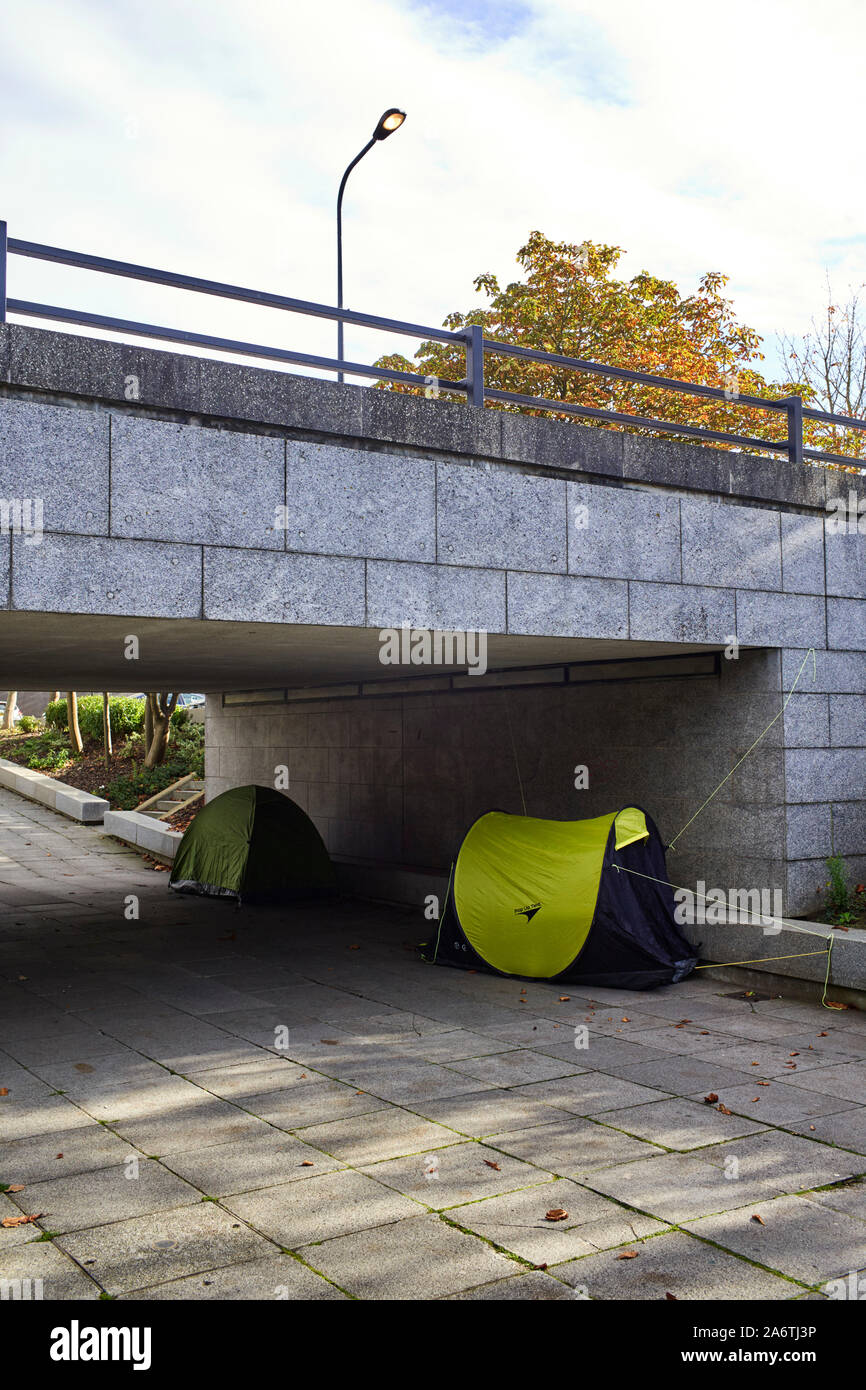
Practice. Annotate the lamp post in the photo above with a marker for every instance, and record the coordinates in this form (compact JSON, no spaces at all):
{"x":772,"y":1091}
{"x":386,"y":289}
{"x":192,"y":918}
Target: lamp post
{"x":389,"y":121}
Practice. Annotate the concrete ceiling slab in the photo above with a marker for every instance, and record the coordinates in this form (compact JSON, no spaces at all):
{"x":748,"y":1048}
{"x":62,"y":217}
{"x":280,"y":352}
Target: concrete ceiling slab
{"x":78,"y":652}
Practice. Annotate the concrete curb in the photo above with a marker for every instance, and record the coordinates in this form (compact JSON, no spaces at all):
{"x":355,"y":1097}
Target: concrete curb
{"x":68,"y":801}
{"x":804,"y":944}
{"x":142,"y":831}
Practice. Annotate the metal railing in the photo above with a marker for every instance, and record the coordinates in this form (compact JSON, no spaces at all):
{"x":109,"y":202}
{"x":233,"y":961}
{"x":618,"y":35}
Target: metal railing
{"x":477,"y":348}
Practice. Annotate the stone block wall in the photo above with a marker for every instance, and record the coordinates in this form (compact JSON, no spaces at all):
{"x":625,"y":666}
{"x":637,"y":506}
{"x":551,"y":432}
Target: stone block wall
{"x":397,"y":780}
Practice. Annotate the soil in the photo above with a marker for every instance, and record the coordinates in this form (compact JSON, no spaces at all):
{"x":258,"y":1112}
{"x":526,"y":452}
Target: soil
{"x":88,"y":773}
{"x":182,"y":819}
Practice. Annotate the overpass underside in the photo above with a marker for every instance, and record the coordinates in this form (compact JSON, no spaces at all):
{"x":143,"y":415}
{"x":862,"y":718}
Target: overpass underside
{"x":645,"y":607}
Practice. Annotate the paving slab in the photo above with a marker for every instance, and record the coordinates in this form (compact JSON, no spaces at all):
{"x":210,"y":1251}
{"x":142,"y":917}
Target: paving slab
{"x":517,"y":1222}
{"x":460,"y":1173}
{"x":251,"y":1078}
{"x":796,"y":1237}
{"x":311,"y":1102}
{"x":191,"y":1127}
{"x":530,"y":1286}
{"x":376,"y":1135}
{"x":406,"y":1080}
{"x":27,"y":1118}
{"x":488,"y":1112}
{"x":422,"y":1257}
{"x":132,"y":1188}
{"x":790,"y":1160}
{"x":515,"y":1068}
{"x":848,"y":1081}
{"x":277,"y":1277}
{"x":672,"y":1263}
{"x":845,"y":1129}
{"x":778,"y":1058}
{"x":778,"y":1103}
{"x":681,"y":1076}
{"x":61,"y":1278}
{"x":591,"y":1093}
{"x":599,"y":1053}
{"x":571,"y":1146}
{"x":849,"y":1197}
{"x":293,"y":1214}
{"x":38,"y":1158}
{"x":148,"y":1250}
{"x":679,"y":1124}
{"x":453,"y":1046}
{"x":676,"y":1186}
{"x":265,"y":1161}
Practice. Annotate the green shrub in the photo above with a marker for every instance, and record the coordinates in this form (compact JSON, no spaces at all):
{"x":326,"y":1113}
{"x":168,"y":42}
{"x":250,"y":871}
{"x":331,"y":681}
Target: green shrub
{"x":28,"y":724}
{"x":127,"y":716}
{"x":55,"y":714}
{"x":126,"y":792}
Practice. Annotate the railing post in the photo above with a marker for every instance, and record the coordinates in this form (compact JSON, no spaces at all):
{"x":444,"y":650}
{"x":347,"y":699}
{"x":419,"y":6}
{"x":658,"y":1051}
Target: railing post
{"x":794,"y":406}
{"x":2,"y":272}
{"x":475,"y":364}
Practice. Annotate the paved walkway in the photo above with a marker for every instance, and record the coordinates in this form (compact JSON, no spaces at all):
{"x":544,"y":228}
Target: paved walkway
{"x":204,"y":1102}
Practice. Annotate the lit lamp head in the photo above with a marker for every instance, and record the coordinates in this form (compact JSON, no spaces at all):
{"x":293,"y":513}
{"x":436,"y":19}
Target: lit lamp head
{"x":389,"y":121}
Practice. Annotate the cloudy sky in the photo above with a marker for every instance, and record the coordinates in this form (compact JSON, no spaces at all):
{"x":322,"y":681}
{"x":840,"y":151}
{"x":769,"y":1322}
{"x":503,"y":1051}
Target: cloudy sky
{"x":210,"y":138}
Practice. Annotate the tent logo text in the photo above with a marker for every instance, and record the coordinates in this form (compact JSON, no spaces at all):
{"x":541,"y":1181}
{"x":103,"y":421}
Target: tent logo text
{"x":528,"y":912}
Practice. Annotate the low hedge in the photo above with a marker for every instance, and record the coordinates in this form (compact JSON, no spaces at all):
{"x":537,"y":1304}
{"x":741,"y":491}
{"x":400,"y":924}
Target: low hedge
{"x":127,"y":715}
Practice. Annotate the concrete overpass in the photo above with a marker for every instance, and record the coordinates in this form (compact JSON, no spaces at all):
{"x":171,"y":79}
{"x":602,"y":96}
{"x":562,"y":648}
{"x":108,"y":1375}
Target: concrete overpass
{"x":254,"y":532}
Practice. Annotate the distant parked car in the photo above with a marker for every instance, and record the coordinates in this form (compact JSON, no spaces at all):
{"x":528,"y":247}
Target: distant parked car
{"x":16,"y":713}
{"x":186,"y":701}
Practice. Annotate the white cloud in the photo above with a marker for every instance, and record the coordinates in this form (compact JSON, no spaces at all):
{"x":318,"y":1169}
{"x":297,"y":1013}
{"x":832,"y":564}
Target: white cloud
{"x":210,"y":138}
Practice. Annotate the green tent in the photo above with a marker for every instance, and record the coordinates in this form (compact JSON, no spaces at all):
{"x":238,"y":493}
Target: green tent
{"x":585,"y":900}
{"x":252,"y":843}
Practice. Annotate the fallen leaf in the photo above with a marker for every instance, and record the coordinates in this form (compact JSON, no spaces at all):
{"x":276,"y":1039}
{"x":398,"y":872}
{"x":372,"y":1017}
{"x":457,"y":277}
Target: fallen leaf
{"x":564,"y":998}
{"x":723,"y":1109}
{"x":832,"y":1004}
{"x":704,"y":1033}
{"x":762,"y":1083}
{"x":627,"y":1255}
{"x":671,"y":1297}
{"x":4,"y":1090}
{"x":15,"y":1187}
{"x":307,"y":1163}
{"x":59,"y":1155}
{"x":539,"y":1266}
{"x":625,"y":1020}
{"x":556,"y":1214}
{"x":20,"y":1220}
{"x":711,"y":1098}
{"x":331,"y":1042}
{"x":760,"y":1220}
{"x":793,"y":1054}
{"x":491,"y":1164}
{"x":823,"y":1035}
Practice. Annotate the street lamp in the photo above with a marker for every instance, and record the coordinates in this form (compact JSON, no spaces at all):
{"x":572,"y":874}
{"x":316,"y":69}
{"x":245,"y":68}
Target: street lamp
{"x":389,"y":121}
